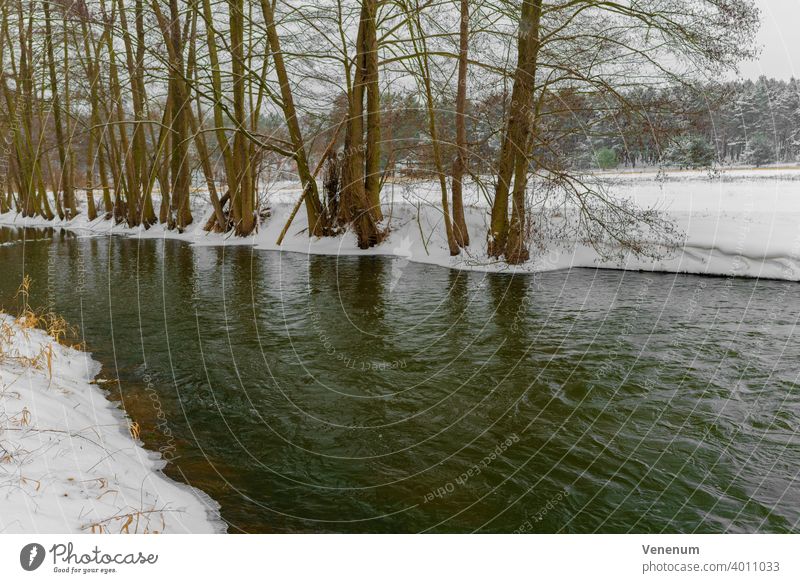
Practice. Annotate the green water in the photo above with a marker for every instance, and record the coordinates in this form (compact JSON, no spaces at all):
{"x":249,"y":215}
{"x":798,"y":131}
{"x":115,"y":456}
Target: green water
{"x":346,"y":394}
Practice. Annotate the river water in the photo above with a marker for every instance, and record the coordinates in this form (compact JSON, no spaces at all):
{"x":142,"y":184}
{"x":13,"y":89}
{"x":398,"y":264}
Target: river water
{"x":362,"y":394}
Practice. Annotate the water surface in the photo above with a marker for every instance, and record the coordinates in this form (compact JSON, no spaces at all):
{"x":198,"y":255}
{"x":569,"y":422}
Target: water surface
{"x":360,"y":394}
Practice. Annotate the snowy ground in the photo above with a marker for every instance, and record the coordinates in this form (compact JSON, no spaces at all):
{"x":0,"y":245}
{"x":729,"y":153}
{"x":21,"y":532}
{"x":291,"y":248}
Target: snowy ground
{"x":736,"y":222}
{"x":68,"y":460}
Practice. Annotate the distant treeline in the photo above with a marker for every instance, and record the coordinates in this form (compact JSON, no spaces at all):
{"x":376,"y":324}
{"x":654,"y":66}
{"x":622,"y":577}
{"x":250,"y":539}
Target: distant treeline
{"x":739,"y":122}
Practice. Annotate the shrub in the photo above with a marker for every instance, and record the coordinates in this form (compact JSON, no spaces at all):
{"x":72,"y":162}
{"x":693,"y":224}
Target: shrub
{"x":606,"y":158}
{"x":760,"y":150}
{"x":691,"y":152}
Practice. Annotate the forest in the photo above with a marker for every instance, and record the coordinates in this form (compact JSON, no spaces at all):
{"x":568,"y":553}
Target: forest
{"x":398,"y":266}
{"x":131,"y":109}
{"x":744,"y":122}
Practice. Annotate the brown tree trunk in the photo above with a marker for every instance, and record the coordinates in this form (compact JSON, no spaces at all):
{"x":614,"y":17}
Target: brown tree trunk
{"x":92,"y":148}
{"x":180,"y":179}
{"x":460,"y":163}
{"x":420,"y":47}
{"x":317,"y":223}
{"x":219,"y":222}
{"x":356,"y":207}
{"x":216,"y":87}
{"x":242,"y":194}
{"x":514,"y":155}
{"x":372,"y":179}
{"x":69,"y":208}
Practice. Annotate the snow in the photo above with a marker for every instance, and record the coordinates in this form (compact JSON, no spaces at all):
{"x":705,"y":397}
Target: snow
{"x":68,"y":461}
{"x":737,"y":222}
{"x":742,"y":223}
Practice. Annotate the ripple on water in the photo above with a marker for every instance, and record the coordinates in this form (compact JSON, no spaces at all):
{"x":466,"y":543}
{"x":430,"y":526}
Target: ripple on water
{"x":334,"y":394}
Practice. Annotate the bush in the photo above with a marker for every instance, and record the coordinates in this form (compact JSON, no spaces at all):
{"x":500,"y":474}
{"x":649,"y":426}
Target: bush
{"x":700,"y":154}
{"x":760,"y":150}
{"x":691,"y":152}
{"x":606,"y":158}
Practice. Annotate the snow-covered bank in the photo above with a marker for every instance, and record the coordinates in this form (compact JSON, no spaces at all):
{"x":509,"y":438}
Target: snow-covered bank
{"x":68,"y":463}
{"x":742,"y":223}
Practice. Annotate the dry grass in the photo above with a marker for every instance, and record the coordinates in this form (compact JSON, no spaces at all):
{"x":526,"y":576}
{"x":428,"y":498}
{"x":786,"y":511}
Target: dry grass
{"x":23,"y":419}
{"x":53,"y":324}
{"x":134,"y":522}
{"x":134,"y":429}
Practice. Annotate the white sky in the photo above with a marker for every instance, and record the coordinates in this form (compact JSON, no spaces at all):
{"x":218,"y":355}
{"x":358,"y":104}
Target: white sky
{"x":780,"y":39}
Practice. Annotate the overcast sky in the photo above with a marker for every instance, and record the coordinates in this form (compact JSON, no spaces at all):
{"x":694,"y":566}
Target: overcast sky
{"x":780,"y":38}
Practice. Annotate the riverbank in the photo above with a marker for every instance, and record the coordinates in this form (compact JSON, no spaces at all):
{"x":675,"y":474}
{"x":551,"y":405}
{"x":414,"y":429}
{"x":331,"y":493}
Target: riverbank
{"x":742,"y":223}
{"x":70,"y":461}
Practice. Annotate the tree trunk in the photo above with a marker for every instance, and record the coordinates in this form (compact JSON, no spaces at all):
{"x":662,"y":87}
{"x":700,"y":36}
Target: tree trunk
{"x":242,"y":195}
{"x":460,"y":163}
{"x":356,"y":207}
{"x":421,"y":48}
{"x":514,"y":155}
{"x":216,"y":88}
{"x":317,"y":222}
{"x":66,"y":184}
{"x":200,"y":141}
{"x":372,"y":180}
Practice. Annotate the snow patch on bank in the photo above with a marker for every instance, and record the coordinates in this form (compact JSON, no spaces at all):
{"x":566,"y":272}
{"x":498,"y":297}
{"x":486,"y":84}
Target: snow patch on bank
{"x":743,"y":223}
{"x":68,"y":463}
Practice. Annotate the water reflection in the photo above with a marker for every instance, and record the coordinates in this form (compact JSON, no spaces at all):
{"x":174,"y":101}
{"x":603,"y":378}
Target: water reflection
{"x":336,"y":393}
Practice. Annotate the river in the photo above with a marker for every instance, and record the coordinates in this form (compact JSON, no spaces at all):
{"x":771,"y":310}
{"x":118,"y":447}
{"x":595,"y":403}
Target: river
{"x":367,"y":394}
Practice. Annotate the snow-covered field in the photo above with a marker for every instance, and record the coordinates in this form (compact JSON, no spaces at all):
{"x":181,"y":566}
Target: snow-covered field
{"x":742,"y":223}
{"x":68,"y":459}
{"x":737,"y":222}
